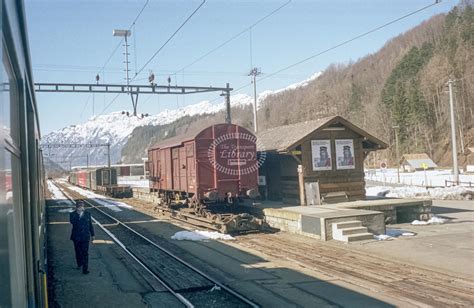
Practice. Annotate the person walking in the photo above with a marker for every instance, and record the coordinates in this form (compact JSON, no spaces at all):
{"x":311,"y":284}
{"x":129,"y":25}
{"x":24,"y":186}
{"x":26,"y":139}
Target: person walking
{"x":82,"y":233}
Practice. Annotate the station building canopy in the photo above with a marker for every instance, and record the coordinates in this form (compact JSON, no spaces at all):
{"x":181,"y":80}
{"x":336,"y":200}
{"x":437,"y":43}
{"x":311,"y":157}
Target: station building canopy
{"x":284,"y":139}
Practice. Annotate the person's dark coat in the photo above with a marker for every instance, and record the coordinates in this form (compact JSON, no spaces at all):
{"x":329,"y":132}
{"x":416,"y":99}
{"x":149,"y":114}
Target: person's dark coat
{"x":82,"y":229}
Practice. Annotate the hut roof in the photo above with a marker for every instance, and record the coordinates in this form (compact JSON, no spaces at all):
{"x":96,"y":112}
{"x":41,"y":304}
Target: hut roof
{"x":417,"y":160}
{"x":175,"y":141}
{"x":285,"y":138}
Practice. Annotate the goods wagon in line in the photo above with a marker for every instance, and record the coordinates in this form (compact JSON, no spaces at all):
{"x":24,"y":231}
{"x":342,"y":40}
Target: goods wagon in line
{"x":203,"y":177}
{"x":217,"y":164}
{"x":103,"y":180}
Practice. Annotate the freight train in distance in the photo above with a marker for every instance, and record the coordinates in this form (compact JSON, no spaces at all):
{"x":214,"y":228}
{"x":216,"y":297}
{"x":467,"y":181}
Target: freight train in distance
{"x":102,"y":180}
{"x":207,"y":176}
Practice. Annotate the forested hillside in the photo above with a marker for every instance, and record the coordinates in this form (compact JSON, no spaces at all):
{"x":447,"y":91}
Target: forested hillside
{"x":403,"y":84}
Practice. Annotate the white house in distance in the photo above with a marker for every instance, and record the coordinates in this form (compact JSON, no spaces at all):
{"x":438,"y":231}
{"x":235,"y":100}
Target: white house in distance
{"x":416,"y":162}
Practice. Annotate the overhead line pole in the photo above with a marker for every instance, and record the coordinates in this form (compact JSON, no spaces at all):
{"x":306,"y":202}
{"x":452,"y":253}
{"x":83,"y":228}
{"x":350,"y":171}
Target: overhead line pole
{"x":255,"y":72}
{"x":226,"y":93}
{"x":453,"y":134}
{"x":135,"y":90}
{"x":79,"y":145}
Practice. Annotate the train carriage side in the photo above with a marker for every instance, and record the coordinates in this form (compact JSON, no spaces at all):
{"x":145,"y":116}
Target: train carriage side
{"x":22,"y":212}
{"x":154,"y":169}
{"x":105,"y":177}
{"x":183,"y":168}
{"x":226,"y":156}
{"x":92,"y":179}
{"x":218,"y":162}
{"x":83,"y":179}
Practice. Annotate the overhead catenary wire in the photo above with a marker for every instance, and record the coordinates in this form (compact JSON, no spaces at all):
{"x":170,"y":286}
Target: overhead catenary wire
{"x":120,"y":42}
{"x":209,"y":52}
{"x":350,"y":40}
{"x":102,"y":69}
{"x":236,"y":36}
{"x":169,"y":39}
{"x":336,"y":46}
{"x":158,"y":51}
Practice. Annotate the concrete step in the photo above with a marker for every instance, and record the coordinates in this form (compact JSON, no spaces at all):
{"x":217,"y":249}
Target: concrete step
{"x":348,"y":224}
{"x":354,"y":230}
{"x":360,"y":237}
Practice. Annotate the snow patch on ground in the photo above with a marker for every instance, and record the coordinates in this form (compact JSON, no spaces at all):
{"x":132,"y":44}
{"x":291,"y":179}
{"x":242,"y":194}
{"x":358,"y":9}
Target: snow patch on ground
{"x":110,"y":204}
{"x":391,"y":234}
{"x":435,"y":220}
{"x":133,"y":183}
{"x":433,"y":178}
{"x":200,"y":235}
{"x":409,"y":192}
{"x":57,"y":194}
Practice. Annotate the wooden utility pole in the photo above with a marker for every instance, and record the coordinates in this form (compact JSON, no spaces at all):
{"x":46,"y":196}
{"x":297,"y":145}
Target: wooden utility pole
{"x":398,"y":152}
{"x":301,"y":184}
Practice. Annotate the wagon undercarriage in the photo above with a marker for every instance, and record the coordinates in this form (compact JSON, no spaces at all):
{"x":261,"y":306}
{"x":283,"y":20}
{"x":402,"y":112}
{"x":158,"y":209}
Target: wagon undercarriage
{"x":225,"y":219}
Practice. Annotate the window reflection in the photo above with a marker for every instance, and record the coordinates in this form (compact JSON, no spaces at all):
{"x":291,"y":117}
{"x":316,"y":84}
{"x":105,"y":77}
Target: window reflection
{"x":5,"y":99}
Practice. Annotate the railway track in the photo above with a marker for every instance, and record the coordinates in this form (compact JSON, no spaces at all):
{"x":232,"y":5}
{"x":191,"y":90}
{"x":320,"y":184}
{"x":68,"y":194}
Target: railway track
{"x":414,"y":285}
{"x":235,"y":222}
{"x":185,"y":282}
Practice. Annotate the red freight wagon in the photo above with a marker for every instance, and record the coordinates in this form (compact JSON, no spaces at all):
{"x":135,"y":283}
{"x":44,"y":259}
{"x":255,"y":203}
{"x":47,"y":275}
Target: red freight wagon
{"x":214,"y":164}
{"x":82,"y":178}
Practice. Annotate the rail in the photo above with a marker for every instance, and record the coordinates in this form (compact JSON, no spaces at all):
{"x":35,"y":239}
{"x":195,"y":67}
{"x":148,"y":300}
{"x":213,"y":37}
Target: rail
{"x":215,"y":282}
{"x":121,"y":245}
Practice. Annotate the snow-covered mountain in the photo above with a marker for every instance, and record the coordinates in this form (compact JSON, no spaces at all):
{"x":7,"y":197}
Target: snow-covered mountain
{"x":115,"y":128}
{"x":263,"y":95}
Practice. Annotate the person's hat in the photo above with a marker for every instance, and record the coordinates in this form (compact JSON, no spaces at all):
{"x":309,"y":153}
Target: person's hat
{"x":323,"y":148}
{"x":346,"y":147}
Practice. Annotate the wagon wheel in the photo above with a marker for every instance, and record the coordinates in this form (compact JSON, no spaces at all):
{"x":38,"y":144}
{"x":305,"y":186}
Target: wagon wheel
{"x":193,"y":203}
{"x":218,"y":218}
{"x":200,"y":211}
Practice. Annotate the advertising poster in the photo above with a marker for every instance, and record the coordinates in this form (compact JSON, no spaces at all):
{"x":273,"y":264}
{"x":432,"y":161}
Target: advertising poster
{"x":345,"y":154}
{"x":321,"y":154}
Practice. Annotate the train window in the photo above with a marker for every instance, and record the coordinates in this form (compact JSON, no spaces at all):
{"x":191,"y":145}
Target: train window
{"x":9,"y":101}
{"x":12,"y":250}
{"x":11,"y":235}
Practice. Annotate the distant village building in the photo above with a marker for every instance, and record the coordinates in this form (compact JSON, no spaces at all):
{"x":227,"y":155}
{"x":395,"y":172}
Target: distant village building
{"x":470,"y":160}
{"x":331,"y":152}
{"x":417,"y":162}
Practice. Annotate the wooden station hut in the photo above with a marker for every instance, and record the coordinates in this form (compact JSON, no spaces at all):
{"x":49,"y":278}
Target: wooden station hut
{"x":328,"y":151}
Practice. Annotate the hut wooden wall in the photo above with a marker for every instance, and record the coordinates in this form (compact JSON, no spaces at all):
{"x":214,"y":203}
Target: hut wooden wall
{"x":271,"y":169}
{"x":350,"y":181}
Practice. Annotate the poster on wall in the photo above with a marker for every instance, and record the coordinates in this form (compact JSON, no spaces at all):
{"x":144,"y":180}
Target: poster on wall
{"x":345,"y":154}
{"x":321,"y":154}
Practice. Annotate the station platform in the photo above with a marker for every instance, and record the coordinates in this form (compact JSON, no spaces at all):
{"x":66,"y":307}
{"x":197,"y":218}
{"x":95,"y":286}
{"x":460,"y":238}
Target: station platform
{"x":112,"y":282}
{"x":317,"y":220}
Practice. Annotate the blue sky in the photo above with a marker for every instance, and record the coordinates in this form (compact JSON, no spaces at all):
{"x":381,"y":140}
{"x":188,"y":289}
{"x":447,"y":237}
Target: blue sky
{"x":70,"y":41}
